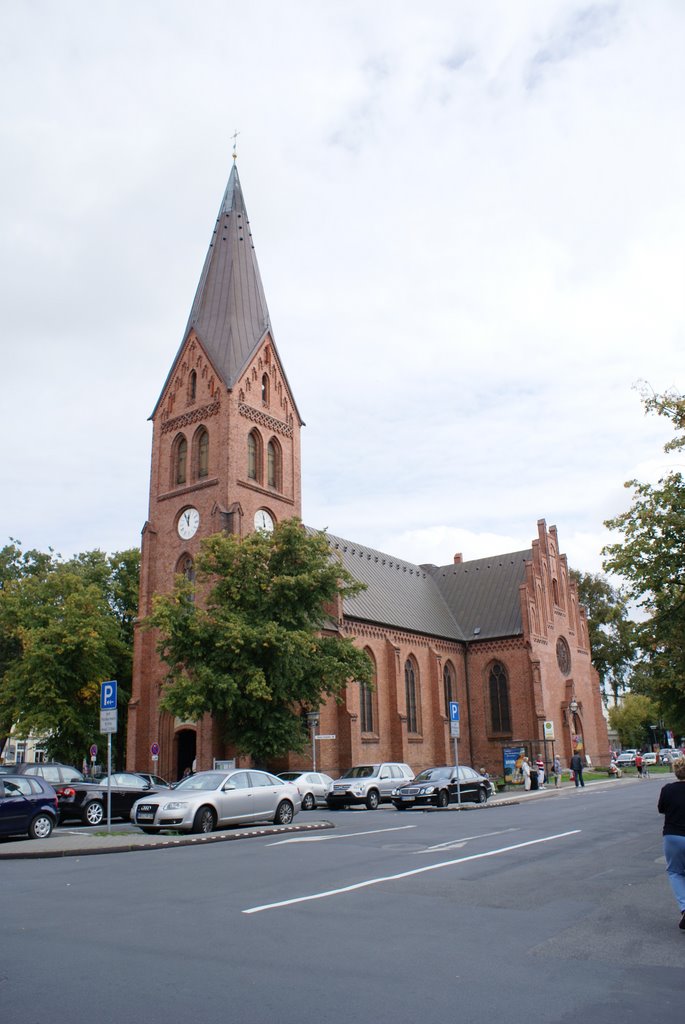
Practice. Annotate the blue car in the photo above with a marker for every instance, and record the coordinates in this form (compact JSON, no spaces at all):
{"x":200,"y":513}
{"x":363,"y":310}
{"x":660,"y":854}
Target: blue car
{"x":28,"y":806}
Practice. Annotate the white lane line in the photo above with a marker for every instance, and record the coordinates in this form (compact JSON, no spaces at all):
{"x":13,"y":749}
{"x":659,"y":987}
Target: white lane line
{"x":406,"y":874}
{"x":346,"y":835}
{"x":456,"y":844}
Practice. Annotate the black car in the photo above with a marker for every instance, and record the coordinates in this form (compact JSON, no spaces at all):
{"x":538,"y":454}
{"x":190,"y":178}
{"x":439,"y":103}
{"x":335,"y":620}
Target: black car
{"x":28,"y":806}
{"x":52,"y":771}
{"x":87,"y":801}
{"x":437,"y":787}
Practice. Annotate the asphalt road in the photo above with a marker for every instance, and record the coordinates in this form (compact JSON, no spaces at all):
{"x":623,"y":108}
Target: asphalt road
{"x":553,"y":910}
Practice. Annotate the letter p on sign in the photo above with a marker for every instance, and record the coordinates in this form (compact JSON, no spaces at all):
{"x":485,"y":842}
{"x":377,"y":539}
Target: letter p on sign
{"x":108,"y":695}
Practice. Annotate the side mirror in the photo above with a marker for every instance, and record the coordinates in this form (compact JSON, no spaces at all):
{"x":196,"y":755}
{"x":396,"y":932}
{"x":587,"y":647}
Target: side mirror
{"x":228,"y":787}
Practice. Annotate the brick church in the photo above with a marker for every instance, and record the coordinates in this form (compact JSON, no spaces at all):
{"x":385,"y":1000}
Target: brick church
{"x":505,"y":636}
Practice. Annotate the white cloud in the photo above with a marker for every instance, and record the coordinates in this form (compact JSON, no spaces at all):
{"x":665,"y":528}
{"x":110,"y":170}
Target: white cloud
{"x":469,"y":221}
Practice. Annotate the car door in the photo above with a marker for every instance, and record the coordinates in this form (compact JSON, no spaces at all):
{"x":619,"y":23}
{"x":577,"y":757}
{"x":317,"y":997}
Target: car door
{"x":266,"y":795}
{"x":234,"y":799}
{"x":12,"y":806}
{"x":126,"y":789}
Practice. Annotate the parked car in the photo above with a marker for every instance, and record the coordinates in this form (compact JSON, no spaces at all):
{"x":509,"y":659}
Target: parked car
{"x":87,"y":801}
{"x":368,"y":784}
{"x":313,"y":787}
{"x":209,"y":800}
{"x":28,"y":806}
{"x":52,"y":771}
{"x":438,"y":787}
{"x":649,"y":758}
{"x":668,"y":755}
{"x":155,"y":780}
{"x":626,"y":759}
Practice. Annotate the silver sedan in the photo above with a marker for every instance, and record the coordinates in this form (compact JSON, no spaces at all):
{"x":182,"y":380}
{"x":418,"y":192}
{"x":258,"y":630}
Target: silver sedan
{"x":313,"y":786}
{"x":209,"y":800}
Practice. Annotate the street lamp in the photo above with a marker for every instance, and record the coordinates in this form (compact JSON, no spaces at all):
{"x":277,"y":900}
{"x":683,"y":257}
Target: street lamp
{"x":313,"y":719}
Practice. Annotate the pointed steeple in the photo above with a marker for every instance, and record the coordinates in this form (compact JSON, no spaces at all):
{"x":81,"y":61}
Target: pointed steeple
{"x":229,"y":313}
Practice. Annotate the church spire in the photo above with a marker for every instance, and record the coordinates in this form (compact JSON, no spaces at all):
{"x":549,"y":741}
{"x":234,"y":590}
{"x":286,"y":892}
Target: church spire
{"x":229,"y":314}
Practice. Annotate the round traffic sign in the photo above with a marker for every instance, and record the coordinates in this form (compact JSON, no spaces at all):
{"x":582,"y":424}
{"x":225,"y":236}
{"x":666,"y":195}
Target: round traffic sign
{"x":154,"y":749}
{"x":94,"y":750}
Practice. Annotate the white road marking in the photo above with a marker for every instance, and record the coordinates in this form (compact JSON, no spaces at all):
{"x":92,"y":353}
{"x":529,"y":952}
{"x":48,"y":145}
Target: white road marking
{"x":455,"y":844}
{"x":346,"y":835}
{"x":406,"y":874}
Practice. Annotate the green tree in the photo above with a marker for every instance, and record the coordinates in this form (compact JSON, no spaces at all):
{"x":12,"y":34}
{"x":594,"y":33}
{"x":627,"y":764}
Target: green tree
{"x":651,"y":559}
{"x":632,"y":718}
{"x":612,"y":632}
{"x":65,"y":627}
{"x":251,"y":651}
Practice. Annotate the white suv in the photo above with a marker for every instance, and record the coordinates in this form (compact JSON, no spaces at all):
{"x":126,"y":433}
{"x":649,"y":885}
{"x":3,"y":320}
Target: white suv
{"x":368,"y":784}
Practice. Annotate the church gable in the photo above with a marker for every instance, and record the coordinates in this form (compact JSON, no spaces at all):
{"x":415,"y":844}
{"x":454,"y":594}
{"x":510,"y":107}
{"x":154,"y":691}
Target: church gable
{"x":263,"y":393}
{"x":192,"y":392}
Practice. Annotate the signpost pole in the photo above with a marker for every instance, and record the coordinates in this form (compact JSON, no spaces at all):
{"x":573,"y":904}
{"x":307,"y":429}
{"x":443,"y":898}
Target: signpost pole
{"x":454,"y":731}
{"x":109,"y":782}
{"x":108,"y":724}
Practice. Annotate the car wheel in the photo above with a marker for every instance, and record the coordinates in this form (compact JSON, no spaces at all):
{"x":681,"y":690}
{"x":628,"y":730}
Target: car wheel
{"x":284,"y":813}
{"x":41,"y":826}
{"x":443,"y":798}
{"x":372,"y":799}
{"x":482,"y":796}
{"x":204,"y":820}
{"x":93,"y":813}
{"x":149,"y":831}
{"x":308,"y":802}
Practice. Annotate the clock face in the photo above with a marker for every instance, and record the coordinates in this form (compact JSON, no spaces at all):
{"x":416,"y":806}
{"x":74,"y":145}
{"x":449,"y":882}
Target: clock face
{"x":263,"y":521}
{"x":188,"y":523}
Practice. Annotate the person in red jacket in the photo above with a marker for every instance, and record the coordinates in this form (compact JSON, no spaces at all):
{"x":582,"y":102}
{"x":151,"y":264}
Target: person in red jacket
{"x":638,"y":763}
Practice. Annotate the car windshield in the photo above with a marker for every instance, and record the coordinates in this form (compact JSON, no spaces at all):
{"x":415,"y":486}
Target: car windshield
{"x":289,"y":776}
{"x":203,"y":780}
{"x":431,"y":774}
{"x":362,"y":771}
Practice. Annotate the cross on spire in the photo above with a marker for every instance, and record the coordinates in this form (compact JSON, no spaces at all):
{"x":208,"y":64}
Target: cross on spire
{"x":235,"y":135}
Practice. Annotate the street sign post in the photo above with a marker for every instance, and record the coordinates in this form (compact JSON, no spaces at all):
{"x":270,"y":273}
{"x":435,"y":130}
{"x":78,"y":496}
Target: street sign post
{"x":108,"y":724}
{"x":454,"y":733}
{"x":154,"y":752}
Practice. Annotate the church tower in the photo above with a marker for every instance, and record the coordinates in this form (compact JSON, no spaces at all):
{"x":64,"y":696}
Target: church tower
{"x":225,"y":456}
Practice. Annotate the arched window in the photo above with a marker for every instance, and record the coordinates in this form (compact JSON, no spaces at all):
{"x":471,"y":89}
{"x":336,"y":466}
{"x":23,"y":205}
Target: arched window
{"x":411,"y":693}
{"x":180,"y":460}
{"x":555,"y":591}
{"x":499,"y":699}
{"x":254,"y":456}
{"x":449,"y":686}
{"x":367,"y":700}
{"x":265,"y":389}
{"x":273,"y":464}
{"x":186,"y":567}
{"x":203,"y":453}
{"x":192,"y":386}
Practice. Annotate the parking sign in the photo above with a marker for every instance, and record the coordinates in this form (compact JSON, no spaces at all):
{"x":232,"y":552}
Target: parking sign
{"x":108,"y":695}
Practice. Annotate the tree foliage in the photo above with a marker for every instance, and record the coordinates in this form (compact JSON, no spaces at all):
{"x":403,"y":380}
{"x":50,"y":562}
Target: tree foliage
{"x":651,"y":559}
{"x":632,"y":718}
{"x":66,"y":626}
{"x":611,"y":630}
{"x":250,"y":651}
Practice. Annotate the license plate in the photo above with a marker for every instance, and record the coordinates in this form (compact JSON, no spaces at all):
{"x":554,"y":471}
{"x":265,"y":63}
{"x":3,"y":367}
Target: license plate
{"x":145,"y":816}
{"x":405,"y":797}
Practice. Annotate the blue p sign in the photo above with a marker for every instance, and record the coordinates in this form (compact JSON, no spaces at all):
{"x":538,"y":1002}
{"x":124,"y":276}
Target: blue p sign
{"x":454,"y":711}
{"x":108,"y":695}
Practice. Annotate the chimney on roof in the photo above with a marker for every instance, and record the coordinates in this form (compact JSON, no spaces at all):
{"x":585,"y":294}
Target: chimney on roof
{"x":458,"y":558}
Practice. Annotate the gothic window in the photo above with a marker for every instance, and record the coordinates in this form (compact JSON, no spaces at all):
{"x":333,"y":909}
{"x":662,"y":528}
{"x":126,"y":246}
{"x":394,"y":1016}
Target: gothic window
{"x":186,"y":567}
{"x":203,"y":453}
{"x":411,"y":693}
{"x":254,"y":456}
{"x":367,"y":698}
{"x":265,"y":389}
{"x":449,"y":686}
{"x":499,"y":698}
{"x":273,"y":464}
{"x":555,"y":591}
{"x":180,"y":460}
{"x":192,"y":386}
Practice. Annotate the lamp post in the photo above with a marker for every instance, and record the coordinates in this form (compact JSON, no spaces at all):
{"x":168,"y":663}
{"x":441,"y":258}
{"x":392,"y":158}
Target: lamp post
{"x":313,"y":719}
{"x":573,"y":708}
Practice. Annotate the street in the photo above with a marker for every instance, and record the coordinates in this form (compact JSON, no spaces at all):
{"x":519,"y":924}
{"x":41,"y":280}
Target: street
{"x":551,"y":910}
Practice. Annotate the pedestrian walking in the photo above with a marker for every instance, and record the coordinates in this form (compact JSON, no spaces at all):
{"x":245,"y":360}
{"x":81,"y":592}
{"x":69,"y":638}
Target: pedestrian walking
{"x":540,"y":766}
{"x":638,"y":764}
{"x":556,"y":770}
{"x":672,"y":806}
{"x":577,"y":769}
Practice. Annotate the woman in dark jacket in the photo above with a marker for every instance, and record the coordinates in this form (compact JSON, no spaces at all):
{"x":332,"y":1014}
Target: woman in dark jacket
{"x":672,"y":806}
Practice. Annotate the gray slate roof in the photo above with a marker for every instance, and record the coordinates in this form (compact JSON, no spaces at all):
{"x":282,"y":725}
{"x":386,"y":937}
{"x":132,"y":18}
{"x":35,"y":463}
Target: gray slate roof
{"x":445,"y":601}
{"x":229,"y":313}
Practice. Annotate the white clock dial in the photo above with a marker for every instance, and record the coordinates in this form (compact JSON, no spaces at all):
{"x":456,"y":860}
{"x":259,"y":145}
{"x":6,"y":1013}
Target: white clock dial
{"x":263,"y":521}
{"x":188,"y":523}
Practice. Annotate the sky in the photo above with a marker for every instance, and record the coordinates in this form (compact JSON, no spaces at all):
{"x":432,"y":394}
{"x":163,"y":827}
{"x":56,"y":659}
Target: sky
{"x":470,"y":224}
